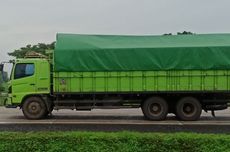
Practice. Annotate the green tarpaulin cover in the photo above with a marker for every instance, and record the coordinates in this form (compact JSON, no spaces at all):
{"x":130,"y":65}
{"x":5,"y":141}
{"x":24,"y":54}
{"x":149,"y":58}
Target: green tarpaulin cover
{"x":75,"y":52}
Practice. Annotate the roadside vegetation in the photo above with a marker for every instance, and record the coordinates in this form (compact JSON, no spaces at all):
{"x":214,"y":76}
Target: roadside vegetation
{"x":3,"y":87}
{"x":119,"y":141}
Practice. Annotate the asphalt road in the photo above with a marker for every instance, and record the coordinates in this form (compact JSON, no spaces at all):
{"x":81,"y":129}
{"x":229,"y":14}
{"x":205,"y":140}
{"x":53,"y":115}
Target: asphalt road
{"x":112,"y":120}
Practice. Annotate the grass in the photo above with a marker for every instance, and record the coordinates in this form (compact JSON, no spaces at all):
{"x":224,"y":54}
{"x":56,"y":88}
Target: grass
{"x":109,"y":142}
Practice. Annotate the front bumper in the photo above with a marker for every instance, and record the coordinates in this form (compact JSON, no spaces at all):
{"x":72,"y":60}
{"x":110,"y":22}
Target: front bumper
{"x":8,"y":102}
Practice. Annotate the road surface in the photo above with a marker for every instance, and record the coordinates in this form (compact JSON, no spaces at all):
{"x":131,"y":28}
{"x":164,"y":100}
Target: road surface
{"x":112,"y":120}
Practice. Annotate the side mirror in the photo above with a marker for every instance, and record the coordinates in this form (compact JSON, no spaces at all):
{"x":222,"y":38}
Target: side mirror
{"x":1,"y":67}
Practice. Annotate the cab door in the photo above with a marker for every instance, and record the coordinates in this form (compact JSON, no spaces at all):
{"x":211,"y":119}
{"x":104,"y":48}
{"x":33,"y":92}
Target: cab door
{"x":43,"y":77}
{"x":24,"y":81}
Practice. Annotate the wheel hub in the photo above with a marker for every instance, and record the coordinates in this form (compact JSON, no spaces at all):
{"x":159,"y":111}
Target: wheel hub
{"x":188,"y":109}
{"x":34,"y":108}
{"x":155,"y":108}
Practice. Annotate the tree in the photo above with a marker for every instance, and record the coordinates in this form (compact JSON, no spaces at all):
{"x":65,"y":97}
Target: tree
{"x":185,"y":33}
{"x":168,"y":34}
{"x":3,"y":82}
{"x":181,"y":33}
{"x":39,"y":48}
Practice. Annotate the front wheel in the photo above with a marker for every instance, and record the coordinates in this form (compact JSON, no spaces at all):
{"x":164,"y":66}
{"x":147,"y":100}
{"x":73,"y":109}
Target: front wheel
{"x":34,"y":108}
{"x":155,"y":108}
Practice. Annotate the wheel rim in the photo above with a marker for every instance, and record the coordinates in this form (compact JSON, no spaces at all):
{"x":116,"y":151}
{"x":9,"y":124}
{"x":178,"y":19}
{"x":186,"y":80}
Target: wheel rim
{"x":34,"y":108}
{"x":189,"y":109}
{"x":155,"y":108}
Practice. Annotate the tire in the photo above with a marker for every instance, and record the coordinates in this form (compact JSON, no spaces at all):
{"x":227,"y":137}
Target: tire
{"x":34,"y":108}
{"x":155,"y":108}
{"x":188,"y":109}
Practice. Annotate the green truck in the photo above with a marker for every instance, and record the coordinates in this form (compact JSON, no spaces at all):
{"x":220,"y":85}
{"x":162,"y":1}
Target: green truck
{"x":181,"y":74}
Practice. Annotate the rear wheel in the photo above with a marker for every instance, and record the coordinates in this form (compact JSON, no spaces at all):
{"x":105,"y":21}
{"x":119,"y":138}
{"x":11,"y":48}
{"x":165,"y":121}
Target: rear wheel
{"x":155,"y":108}
{"x":34,"y":108}
{"x":188,"y":109}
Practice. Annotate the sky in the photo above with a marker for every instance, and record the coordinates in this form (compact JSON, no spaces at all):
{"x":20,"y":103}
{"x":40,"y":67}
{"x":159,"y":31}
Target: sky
{"x":25,"y":22}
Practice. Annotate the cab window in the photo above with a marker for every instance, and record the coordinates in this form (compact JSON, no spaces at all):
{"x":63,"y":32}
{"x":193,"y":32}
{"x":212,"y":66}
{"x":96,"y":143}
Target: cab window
{"x":23,"y":70}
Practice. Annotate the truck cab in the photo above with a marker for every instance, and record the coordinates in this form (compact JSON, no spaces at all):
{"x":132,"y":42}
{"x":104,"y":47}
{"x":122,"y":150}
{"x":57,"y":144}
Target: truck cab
{"x":29,"y":77}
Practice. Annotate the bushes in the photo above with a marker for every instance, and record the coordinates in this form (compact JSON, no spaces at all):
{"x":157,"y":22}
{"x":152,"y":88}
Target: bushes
{"x":120,"y":141}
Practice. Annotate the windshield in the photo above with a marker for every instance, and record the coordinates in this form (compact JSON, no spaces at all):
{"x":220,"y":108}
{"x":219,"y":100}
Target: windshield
{"x":23,"y":70}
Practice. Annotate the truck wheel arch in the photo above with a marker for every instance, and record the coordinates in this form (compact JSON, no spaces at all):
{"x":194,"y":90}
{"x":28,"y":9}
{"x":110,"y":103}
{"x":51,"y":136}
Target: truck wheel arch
{"x":28,"y":96}
{"x":38,"y":96}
